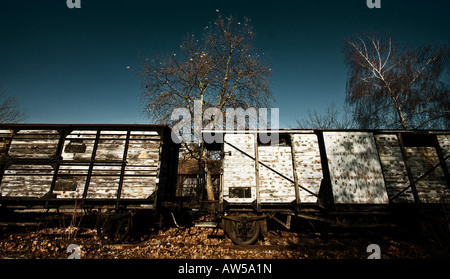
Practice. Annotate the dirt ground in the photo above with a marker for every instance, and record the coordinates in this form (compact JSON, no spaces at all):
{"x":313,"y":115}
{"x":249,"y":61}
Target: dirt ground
{"x":208,"y":243}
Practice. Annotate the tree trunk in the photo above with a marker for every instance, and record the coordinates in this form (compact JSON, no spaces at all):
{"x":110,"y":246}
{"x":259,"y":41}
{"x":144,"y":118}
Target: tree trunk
{"x":400,"y":113}
{"x":208,"y":179}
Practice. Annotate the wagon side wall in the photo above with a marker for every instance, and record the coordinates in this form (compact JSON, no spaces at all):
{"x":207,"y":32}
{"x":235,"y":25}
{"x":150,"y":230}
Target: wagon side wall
{"x":70,"y":163}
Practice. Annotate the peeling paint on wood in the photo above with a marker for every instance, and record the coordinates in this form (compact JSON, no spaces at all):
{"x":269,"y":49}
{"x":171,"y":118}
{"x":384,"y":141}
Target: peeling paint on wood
{"x":364,"y":168}
{"x":309,"y":166}
{"x":394,"y":169}
{"x":431,"y":188}
{"x":273,"y":187}
{"x":355,"y":170}
{"x":77,"y":167}
{"x":239,"y":169}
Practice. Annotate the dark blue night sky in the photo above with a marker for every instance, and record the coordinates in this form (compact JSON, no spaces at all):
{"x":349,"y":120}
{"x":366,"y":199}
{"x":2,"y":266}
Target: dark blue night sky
{"x":71,"y":65}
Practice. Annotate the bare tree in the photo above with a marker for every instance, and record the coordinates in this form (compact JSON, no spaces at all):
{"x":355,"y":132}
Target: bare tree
{"x":400,"y":89}
{"x":222,"y":69}
{"x":331,"y":117}
{"x":10,"y":110}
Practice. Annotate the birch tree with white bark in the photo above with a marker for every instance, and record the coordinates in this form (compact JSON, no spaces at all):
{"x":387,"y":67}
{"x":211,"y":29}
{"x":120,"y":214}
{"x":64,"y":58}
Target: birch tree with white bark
{"x":394,"y":88}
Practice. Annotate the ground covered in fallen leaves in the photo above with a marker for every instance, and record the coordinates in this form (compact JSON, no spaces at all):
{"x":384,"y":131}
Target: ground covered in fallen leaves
{"x":208,"y":243}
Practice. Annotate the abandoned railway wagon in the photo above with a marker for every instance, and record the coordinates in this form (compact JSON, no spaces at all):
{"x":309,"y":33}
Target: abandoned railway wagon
{"x":115,"y":168}
{"x":329,"y":176}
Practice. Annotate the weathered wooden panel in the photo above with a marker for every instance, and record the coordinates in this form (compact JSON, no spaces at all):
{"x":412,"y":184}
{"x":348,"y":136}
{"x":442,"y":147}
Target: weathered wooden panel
{"x":111,"y":146}
{"x":145,"y":135}
{"x":355,"y":170}
{"x":138,"y":187}
{"x":26,"y":181}
{"x":104,"y":182}
{"x":239,"y":169}
{"x":308,"y":165}
{"x":143,"y":166}
{"x":273,"y":187}
{"x":431,"y":188}
{"x":79,"y":145}
{"x":71,"y":181}
{"x":141,"y":169}
{"x":136,"y":166}
{"x":34,"y":144}
{"x":394,"y":168}
{"x":143,"y":153}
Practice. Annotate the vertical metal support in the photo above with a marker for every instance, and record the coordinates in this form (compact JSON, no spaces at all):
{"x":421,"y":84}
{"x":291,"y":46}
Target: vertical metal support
{"x":91,"y":165}
{"x":442,"y":161}
{"x":326,"y":198}
{"x":221,"y":205}
{"x":258,"y":198}
{"x":122,"y":170}
{"x":3,"y":164}
{"x":294,"y":170}
{"x":408,"y":168}
{"x":57,"y":158}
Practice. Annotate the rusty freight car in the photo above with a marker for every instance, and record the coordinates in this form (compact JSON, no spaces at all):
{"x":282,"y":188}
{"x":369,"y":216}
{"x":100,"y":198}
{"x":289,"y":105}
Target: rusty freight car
{"x":328,"y":176}
{"x":340,"y":178}
{"x":113,"y":169}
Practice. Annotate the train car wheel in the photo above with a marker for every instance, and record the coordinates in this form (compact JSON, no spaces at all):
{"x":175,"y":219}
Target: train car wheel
{"x":243,"y":229}
{"x":114,"y":228}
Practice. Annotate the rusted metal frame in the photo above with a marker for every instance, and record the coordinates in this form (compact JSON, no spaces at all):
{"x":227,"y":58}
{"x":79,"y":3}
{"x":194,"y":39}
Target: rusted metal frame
{"x":379,"y":161}
{"x":91,"y":165}
{"x":325,"y":196}
{"x":158,"y":191}
{"x":122,"y":170}
{"x":412,"y":184}
{"x":422,"y":176}
{"x":258,"y":196}
{"x":275,"y":171}
{"x":286,"y":224}
{"x":58,"y":158}
{"x":3,"y":160}
{"x":245,"y":218}
{"x":294,"y":170}
{"x":105,"y":127}
{"x":221,"y":189}
{"x":442,"y":161}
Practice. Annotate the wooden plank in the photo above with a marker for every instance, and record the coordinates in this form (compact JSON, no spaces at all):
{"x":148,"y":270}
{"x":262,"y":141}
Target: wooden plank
{"x":394,"y":168}
{"x":275,"y":188}
{"x":308,"y":165}
{"x":355,"y":169}
{"x":239,"y":169}
{"x":431,"y":188}
{"x":26,"y":181}
{"x":138,"y":187}
{"x":70,"y":187}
